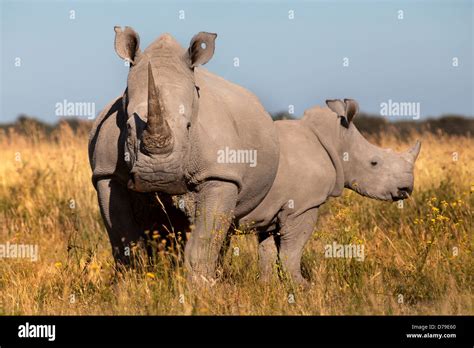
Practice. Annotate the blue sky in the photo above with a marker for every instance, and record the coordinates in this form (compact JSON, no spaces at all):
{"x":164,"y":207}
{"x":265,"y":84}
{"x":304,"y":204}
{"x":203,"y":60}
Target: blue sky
{"x":283,"y":61}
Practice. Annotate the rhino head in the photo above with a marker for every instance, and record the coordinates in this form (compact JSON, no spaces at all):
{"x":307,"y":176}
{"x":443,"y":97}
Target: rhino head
{"x":367,"y":169}
{"x":161,"y":101}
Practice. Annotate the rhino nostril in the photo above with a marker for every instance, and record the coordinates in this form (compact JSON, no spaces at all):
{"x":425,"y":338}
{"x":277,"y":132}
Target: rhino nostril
{"x":131,"y":182}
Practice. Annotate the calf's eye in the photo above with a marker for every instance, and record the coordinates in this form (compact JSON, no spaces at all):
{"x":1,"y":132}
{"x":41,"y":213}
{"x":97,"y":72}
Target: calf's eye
{"x":373,"y":163}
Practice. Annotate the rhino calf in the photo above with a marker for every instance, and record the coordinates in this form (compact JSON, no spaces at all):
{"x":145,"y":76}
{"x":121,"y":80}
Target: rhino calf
{"x":320,"y":155}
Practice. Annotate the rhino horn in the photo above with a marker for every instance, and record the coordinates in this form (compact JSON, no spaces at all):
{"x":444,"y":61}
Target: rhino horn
{"x":412,"y":154}
{"x":157,"y":135}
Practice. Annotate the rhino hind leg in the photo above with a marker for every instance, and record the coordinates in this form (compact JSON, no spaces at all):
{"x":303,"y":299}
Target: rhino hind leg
{"x":267,"y":255}
{"x":157,"y":214}
{"x":294,"y":234}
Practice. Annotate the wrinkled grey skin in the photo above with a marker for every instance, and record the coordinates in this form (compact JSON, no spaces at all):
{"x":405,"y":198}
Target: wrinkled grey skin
{"x":320,"y":155}
{"x":126,"y":214}
{"x":179,"y":117}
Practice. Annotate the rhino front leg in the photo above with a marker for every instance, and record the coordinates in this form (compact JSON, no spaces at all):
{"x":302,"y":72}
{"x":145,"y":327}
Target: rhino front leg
{"x":117,"y":213}
{"x":223,"y":253}
{"x":214,"y":213}
{"x":294,"y":234}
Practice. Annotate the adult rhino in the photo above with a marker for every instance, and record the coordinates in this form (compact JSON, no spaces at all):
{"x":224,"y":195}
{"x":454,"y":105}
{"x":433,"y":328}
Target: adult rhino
{"x":179,"y":117}
{"x":320,"y":155}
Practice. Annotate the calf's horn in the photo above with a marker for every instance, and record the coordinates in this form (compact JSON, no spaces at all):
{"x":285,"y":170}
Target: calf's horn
{"x":415,"y":150}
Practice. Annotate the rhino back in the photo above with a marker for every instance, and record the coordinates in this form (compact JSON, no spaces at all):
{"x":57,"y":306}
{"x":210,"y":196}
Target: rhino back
{"x":232,"y":117}
{"x":107,"y":143}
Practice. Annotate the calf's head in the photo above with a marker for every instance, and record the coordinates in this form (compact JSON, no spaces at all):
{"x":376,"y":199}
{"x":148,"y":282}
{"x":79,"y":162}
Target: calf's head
{"x":370,"y":170}
{"x":161,"y":102}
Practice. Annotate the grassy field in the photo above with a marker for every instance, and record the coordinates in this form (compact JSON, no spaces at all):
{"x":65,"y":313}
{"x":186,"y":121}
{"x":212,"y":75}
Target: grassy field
{"x":418,"y":258}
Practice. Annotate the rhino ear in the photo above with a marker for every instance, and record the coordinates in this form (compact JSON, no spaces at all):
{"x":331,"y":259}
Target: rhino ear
{"x":346,"y":109}
{"x":352,"y":109}
{"x":338,"y":106}
{"x":201,"y":48}
{"x":127,"y":43}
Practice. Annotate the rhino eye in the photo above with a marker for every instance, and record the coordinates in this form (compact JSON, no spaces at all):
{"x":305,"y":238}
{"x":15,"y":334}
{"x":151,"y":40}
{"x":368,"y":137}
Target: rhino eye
{"x":373,"y":163}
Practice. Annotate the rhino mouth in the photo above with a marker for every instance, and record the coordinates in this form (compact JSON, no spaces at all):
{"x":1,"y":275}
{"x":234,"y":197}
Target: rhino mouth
{"x":402,"y":193}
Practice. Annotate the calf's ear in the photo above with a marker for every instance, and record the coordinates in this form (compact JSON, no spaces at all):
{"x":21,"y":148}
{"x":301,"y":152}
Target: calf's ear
{"x":201,"y":49}
{"x":346,"y":109}
{"x":337,"y":106}
{"x":352,"y":109}
{"x":127,"y":43}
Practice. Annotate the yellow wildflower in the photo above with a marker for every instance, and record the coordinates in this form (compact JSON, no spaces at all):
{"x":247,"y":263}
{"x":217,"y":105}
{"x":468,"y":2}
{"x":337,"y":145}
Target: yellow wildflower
{"x":442,"y":218}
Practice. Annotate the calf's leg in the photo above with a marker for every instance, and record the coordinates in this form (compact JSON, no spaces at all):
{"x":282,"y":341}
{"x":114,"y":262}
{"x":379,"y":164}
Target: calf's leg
{"x":294,"y":234}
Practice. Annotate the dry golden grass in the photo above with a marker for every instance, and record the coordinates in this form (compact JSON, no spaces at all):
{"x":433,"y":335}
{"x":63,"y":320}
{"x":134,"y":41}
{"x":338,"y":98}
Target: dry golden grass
{"x":409,"y":251}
